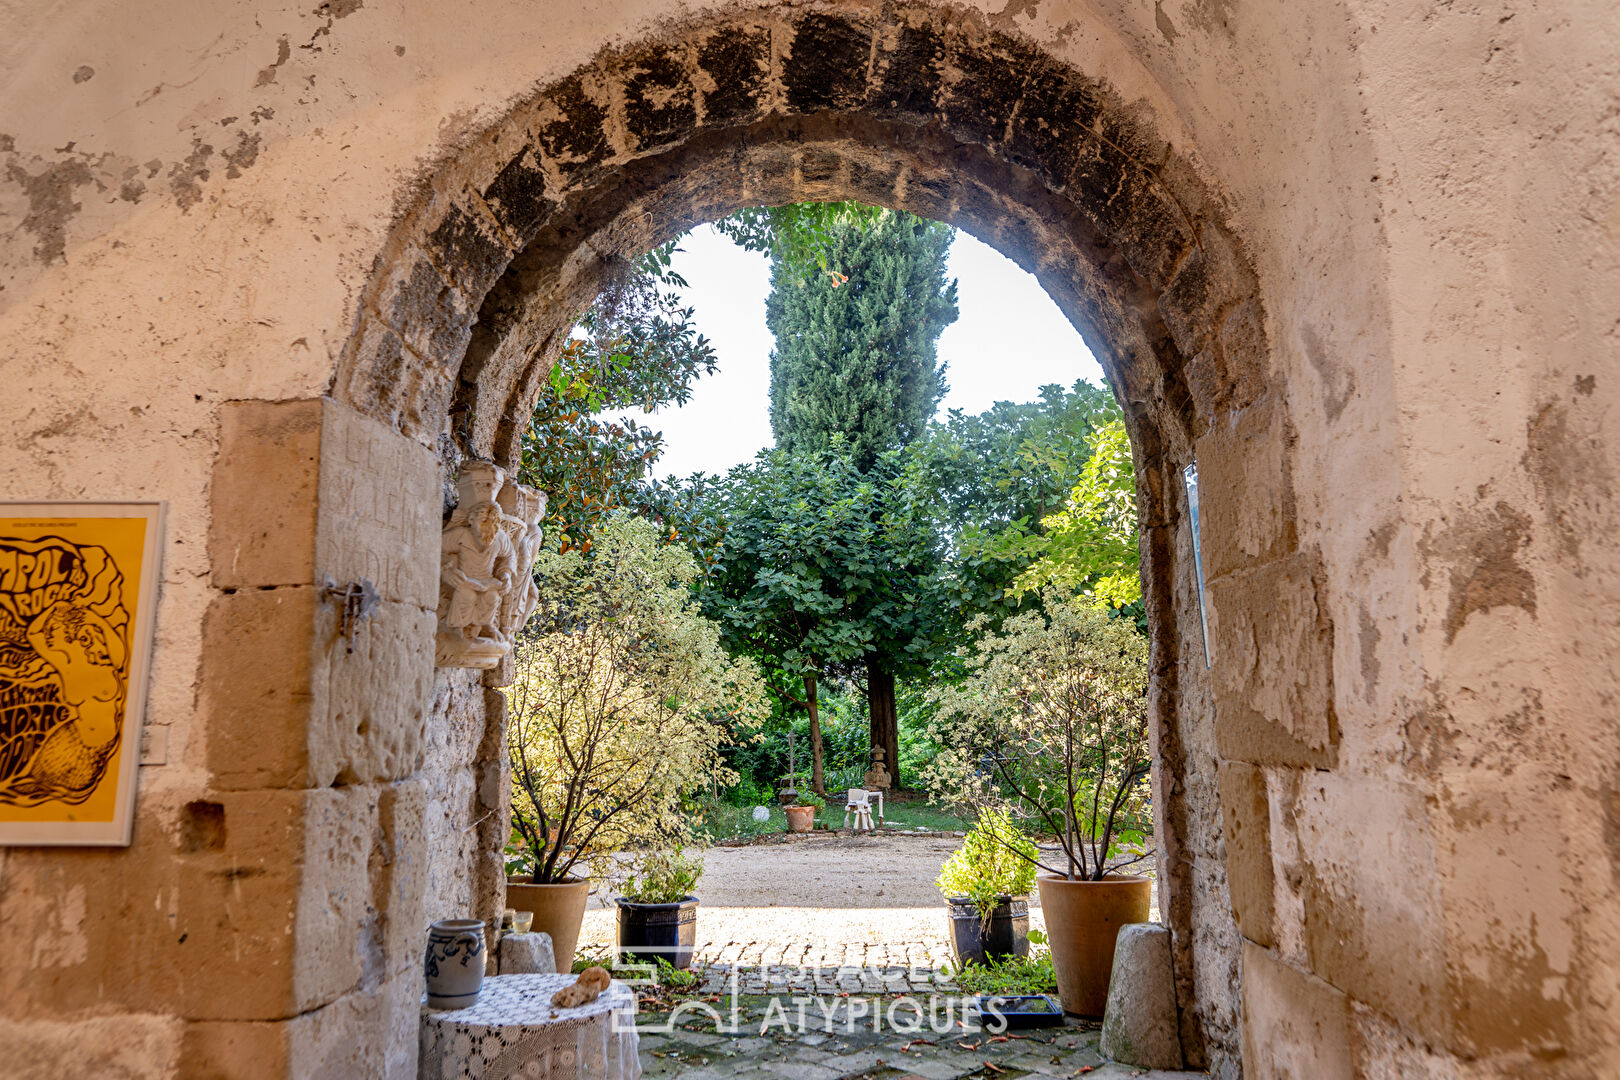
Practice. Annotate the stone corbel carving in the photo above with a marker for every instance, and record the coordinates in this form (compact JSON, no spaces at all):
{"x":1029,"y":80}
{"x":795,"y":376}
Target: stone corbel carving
{"x":523,"y":508}
{"x":485,"y":589}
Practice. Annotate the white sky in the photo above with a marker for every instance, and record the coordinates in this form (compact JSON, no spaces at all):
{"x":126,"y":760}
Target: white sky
{"x":1010,"y":340}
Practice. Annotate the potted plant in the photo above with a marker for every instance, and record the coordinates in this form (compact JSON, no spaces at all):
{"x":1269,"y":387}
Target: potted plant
{"x":987,"y":883}
{"x":621,"y":701}
{"x":657,"y":911}
{"x":802,"y":816}
{"x":1051,"y":721}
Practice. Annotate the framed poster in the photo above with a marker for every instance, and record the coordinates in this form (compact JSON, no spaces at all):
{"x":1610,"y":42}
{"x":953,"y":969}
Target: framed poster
{"x":78,"y":591}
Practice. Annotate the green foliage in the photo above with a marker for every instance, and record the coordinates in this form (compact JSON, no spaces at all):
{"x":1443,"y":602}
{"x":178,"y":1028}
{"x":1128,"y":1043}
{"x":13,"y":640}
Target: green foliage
{"x":670,"y":977}
{"x":635,"y":348}
{"x":992,"y":476}
{"x":817,"y":564}
{"x":1011,"y":462}
{"x":1092,"y":544}
{"x":846,"y":739}
{"x":995,"y":860}
{"x":800,"y":236}
{"x":622,"y":699}
{"x":858,"y":357}
{"x":1015,"y":975}
{"x":665,"y":975}
{"x":1051,"y":720}
{"x":664,"y":876}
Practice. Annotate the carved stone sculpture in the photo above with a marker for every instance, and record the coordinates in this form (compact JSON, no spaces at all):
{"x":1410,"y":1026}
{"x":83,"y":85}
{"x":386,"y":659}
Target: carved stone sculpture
{"x":877,"y":778}
{"x":477,"y":568}
{"x":486,"y":557}
{"x":522,"y":507}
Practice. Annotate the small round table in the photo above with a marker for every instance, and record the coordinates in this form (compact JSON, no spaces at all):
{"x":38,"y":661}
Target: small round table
{"x":515,"y":1032}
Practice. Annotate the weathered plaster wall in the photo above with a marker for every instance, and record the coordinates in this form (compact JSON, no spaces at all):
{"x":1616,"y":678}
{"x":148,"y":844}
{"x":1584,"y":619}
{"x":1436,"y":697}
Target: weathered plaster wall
{"x":194,"y":202}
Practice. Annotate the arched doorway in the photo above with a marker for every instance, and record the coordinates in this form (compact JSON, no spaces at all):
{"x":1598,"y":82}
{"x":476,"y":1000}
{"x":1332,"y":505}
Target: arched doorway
{"x":939,"y":114}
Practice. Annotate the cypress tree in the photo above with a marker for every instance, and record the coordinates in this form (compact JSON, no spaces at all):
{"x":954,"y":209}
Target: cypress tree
{"x":857,"y":355}
{"x":857,"y":350}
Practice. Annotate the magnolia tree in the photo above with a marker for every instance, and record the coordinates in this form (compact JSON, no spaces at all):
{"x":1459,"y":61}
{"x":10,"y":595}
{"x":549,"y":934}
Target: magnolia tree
{"x":1051,"y":722}
{"x":622,"y":701}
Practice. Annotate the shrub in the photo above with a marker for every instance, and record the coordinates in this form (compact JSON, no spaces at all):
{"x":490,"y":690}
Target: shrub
{"x":1051,"y":720}
{"x":995,"y":860}
{"x":662,"y":877}
{"x":622,"y":700}
{"x":1015,"y":975}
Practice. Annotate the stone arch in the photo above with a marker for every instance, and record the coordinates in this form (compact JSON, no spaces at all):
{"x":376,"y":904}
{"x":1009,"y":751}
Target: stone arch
{"x":935,"y":111}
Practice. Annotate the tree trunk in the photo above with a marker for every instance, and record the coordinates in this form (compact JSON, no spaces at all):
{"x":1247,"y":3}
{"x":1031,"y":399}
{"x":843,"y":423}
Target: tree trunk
{"x":885,"y":715}
{"x":814,"y":709}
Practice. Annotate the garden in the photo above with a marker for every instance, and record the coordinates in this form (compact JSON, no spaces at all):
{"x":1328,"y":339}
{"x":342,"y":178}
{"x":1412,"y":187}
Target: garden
{"x":891,"y":628}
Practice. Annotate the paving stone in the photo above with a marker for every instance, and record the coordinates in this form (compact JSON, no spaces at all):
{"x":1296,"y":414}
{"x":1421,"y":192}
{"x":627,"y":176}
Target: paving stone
{"x":1044,"y":1064}
{"x":695,"y":1038}
{"x":946,"y":1067}
{"x":695,"y":1051}
{"x":854,"y":1063}
{"x":801,"y":1070}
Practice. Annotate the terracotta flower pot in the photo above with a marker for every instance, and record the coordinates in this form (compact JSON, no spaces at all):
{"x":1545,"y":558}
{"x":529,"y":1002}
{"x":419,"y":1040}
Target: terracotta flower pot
{"x":1082,"y":920}
{"x":558,"y":910}
{"x":800,"y":818}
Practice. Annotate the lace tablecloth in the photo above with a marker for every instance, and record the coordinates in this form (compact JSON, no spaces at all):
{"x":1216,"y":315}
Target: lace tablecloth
{"x":515,"y":1032}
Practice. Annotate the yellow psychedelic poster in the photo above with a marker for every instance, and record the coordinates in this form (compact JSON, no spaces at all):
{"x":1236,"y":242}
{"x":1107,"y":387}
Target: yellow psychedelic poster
{"x":77,"y":590}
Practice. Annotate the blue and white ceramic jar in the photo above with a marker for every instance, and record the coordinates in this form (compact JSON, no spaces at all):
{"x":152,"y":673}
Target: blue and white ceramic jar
{"x":455,"y":963}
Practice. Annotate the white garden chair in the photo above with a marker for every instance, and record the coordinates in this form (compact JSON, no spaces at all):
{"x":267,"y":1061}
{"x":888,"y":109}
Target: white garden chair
{"x":858,"y":803}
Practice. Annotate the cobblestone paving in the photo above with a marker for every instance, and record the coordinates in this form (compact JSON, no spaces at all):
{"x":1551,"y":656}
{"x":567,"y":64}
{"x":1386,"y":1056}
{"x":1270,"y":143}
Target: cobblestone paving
{"x":840,"y":1040}
{"x":770,"y":954}
{"x":920,"y":978}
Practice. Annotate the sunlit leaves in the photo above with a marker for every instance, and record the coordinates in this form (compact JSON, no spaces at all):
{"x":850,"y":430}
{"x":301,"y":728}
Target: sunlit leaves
{"x":1091,"y":544}
{"x":800,"y":235}
{"x":1051,"y":722}
{"x":991,"y":478}
{"x":623,"y":698}
{"x":635,"y":348}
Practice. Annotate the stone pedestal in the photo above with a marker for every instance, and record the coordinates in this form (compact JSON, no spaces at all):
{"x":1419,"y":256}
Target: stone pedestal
{"x":527,"y":954}
{"x":1139,"y":1023}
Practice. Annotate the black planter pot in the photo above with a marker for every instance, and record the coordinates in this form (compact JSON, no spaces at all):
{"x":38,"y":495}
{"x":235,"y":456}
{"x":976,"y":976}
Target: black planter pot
{"x":985,"y":941}
{"x":652,"y":932}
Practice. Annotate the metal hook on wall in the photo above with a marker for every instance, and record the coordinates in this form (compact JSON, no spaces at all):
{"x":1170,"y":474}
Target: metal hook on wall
{"x":358,"y":601}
